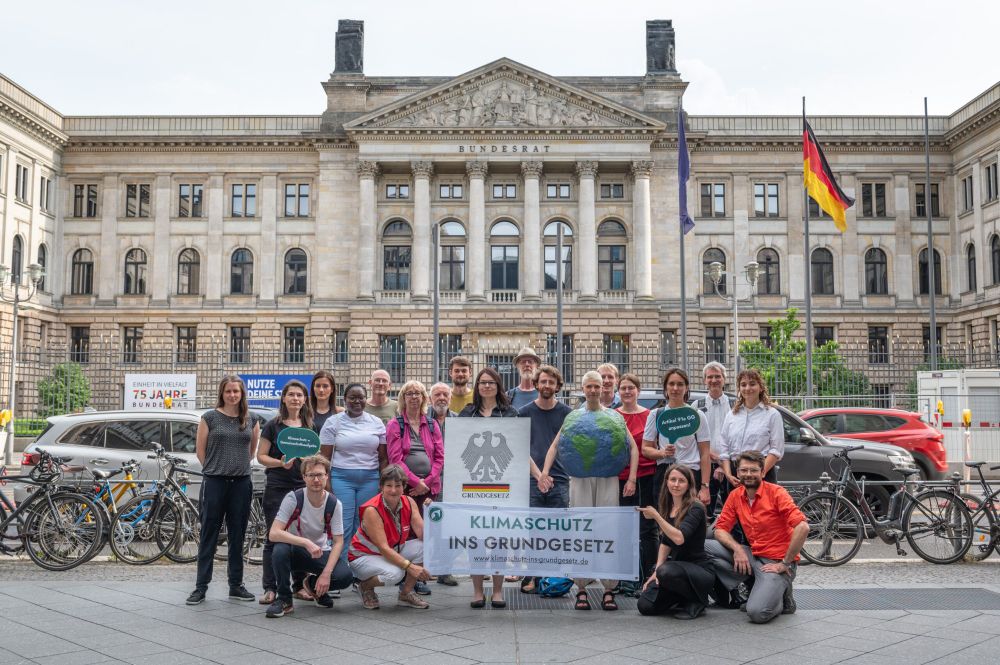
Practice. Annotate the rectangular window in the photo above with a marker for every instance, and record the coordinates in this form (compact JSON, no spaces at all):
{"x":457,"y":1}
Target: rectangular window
{"x":668,"y":349}
{"x":611,"y":267}
{"x":715,"y":344}
{"x":449,"y":346}
{"x":79,"y":349}
{"x":21,"y":183}
{"x":551,"y":267}
{"x":341,"y":350}
{"x":878,"y":345}
{"x":616,"y":351}
{"x":297,"y":200}
{"x":565,"y":364}
{"x":765,"y":199}
{"x":503,"y":267}
{"x":45,"y":200}
{"x":881,"y":395}
{"x":920,"y":208}
{"x":136,"y":200}
{"x":187,"y":344}
{"x":557,"y":191}
{"x":967,"y":200}
{"x":764,"y":335}
{"x":612,"y":190}
{"x":239,"y":344}
{"x":452,"y":268}
{"x":713,"y":199}
{"x":85,"y":200}
{"x":397,"y":191}
{"x":131,"y":343}
{"x":990,"y":181}
{"x":392,"y":356}
{"x":822,"y":335}
{"x":244,"y":200}
{"x":396,"y":268}
{"x":873,"y":199}
{"x":504,"y":191}
{"x":294,"y":344}
{"x":815,"y":212}
{"x":449,"y":191}
{"x":926,"y":340}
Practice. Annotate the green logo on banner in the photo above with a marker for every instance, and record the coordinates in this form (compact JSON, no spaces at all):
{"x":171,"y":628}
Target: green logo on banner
{"x":435,"y":513}
{"x":672,"y":424}
{"x":298,"y":442}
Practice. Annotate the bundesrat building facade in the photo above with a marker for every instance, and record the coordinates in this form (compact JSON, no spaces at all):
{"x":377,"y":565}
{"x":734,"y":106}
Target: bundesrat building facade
{"x":296,"y":231}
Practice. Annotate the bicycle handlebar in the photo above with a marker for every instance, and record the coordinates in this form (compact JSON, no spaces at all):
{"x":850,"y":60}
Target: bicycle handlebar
{"x":849,"y":449}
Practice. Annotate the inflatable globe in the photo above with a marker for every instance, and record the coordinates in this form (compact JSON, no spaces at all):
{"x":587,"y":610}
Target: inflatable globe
{"x":593,"y":444}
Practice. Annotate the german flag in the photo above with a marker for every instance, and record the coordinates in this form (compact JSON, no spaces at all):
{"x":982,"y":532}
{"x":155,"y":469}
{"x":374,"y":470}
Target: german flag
{"x":819,"y":180}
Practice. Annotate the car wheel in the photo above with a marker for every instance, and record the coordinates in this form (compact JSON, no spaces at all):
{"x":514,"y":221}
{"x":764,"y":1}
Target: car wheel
{"x":877,"y":497}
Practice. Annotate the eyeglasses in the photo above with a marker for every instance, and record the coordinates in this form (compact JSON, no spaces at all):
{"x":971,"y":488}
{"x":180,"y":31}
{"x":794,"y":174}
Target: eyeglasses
{"x":488,"y":384}
{"x":315,"y":476}
{"x":412,"y":393}
{"x":749,"y":472}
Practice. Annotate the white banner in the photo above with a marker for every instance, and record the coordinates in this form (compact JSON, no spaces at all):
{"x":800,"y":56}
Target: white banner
{"x":147,"y":391}
{"x":545,"y":542}
{"x":488,"y":461}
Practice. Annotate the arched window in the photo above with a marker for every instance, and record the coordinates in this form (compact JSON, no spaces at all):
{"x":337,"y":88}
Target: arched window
{"x":296,"y":265}
{"x":612,"y":252}
{"x":82,"y":273}
{"x":550,"y":238}
{"x":924,"y":277}
{"x":769,"y":282}
{"x":135,"y":272}
{"x":712,"y":255}
{"x":452,"y":257}
{"x":504,"y":255}
{"x":17,"y":260}
{"x":43,"y":260}
{"x":188,"y":272}
{"x":241,"y":272}
{"x":397,"y":239}
{"x":876,"y":272}
{"x":822,"y":272}
{"x":970,"y":266}
{"x":995,"y":259}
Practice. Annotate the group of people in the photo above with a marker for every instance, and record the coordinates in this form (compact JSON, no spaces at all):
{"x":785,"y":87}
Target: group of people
{"x":353,"y":514}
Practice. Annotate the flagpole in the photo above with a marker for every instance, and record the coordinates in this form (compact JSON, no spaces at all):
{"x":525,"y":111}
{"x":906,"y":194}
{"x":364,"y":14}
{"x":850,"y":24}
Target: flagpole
{"x":931,"y":277}
{"x":808,"y":271}
{"x":683,"y":263}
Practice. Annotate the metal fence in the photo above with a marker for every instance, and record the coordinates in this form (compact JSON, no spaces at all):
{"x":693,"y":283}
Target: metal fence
{"x":855,"y":376}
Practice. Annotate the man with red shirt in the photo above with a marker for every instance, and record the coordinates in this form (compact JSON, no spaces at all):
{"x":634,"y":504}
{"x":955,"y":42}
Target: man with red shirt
{"x":775,"y":529}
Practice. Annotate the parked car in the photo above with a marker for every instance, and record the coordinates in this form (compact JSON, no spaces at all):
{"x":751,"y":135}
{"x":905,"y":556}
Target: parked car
{"x":896,"y":426}
{"x":106,"y":439}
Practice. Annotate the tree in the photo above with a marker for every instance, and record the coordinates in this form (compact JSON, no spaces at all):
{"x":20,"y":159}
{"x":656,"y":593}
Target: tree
{"x":783,"y":363}
{"x":66,"y":390}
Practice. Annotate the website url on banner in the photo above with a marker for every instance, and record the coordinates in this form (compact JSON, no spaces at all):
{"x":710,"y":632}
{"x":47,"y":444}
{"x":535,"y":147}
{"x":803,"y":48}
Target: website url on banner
{"x":538,"y":560}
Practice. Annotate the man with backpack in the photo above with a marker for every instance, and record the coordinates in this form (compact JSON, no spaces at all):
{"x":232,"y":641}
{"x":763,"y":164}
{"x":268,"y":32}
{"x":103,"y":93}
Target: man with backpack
{"x":308,"y":536}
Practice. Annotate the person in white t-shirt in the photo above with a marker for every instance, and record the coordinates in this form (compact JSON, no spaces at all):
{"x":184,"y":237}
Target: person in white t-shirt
{"x":308,"y":536}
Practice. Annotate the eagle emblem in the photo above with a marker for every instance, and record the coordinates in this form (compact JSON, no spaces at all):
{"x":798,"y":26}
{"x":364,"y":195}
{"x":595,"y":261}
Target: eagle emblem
{"x":487,"y":456}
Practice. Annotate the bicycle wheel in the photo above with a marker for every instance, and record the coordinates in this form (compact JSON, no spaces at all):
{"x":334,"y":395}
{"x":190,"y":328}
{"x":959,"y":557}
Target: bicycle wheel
{"x":983,"y":528}
{"x":136,"y":533}
{"x":835,"y":529}
{"x":253,"y":542}
{"x":11,"y":541}
{"x":65,"y":533}
{"x":188,"y":535}
{"x":938,"y":526}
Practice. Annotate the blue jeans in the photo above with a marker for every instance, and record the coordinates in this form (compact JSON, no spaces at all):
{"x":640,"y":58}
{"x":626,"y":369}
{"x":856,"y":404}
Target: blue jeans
{"x":556,"y":497}
{"x":353,"y":487}
{"x":289,"y":559}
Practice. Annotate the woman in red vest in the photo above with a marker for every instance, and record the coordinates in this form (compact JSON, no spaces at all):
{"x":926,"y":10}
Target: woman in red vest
{"x":380,"y":552}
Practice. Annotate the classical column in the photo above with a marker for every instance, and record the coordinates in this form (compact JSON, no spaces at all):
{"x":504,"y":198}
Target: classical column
{"x":476,"y":258}
{"x":532,"y":171}
{"x":109,"y":257}
{"x":367,"y":172}
{"x":420,"y":269}
{"x":642,"y":232}
{"x":160,"y":252}
{"x":586,"y":172}
{"x":269,"y":272}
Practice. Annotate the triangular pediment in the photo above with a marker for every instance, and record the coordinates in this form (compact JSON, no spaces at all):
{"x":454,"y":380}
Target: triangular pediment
{"x":503,"y":96}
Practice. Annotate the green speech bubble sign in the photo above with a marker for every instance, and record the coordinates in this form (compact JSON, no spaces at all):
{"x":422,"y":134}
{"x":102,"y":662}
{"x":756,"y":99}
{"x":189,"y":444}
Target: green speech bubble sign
{"x":297,"y":442}
{"x":672,"y":424}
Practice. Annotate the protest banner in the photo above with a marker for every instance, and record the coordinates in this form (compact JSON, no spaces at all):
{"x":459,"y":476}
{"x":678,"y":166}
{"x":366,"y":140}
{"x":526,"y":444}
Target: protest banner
{"x":264,"y":390}
{"x":148,"y":391}
{"x":556,"y":542}
{"x":488,"y":461}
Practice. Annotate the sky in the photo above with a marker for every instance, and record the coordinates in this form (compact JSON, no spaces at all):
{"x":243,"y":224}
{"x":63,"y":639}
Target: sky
{"x":849,"y":57}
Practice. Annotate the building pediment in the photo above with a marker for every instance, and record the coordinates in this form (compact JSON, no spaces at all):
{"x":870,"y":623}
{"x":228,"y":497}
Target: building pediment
{"x":504,"y":97}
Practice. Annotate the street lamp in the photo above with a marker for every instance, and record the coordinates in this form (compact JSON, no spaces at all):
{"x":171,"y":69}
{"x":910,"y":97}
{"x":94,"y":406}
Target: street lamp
{"x":751,"y":272}
{"x":35,"y":274}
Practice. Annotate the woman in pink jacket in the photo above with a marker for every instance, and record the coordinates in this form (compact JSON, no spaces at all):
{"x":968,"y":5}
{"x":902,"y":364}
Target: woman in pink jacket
{"x":414,"y":442}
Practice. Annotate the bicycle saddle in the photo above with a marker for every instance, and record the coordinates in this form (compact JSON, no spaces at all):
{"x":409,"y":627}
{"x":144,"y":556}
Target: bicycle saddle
{"x":974,"y":465}
{"x":100,"y":474}
{"x":908,"y":472}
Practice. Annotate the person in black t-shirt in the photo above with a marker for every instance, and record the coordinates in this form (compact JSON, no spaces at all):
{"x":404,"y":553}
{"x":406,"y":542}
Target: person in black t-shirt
{"x":323,"y":398}
{"x":283,"y":475}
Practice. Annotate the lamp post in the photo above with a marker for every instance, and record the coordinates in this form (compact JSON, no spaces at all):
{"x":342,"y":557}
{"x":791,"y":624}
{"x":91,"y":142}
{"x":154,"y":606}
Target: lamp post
{"x":436,"y":275}
{"x":35,"y":274}
{"x":751,"y":272}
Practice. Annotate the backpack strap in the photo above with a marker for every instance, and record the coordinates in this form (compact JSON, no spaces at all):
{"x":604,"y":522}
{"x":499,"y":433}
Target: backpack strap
{"x":300,"y":497}
{"x":328,"y":511}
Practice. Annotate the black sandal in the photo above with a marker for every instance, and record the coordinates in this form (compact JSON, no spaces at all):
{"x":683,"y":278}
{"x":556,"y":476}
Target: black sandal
{"x":608,"y":603}
{"x":582,"y":601}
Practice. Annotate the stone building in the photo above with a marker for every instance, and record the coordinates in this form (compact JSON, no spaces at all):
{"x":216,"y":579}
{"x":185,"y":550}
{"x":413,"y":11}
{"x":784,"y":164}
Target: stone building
{"x":316,"y":230}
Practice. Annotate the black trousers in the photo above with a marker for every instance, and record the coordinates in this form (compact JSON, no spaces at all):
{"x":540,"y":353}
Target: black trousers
{"x":291,"y":560}
{"x":223,"y":499}
{"x":648,"y":530}
{"x":273,"y":496}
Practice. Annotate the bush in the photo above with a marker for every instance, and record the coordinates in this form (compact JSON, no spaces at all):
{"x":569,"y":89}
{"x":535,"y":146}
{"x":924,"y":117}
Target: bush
{"x":65,"y":391}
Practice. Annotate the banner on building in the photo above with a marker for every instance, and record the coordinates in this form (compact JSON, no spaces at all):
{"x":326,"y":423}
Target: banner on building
{"x":158,"y":391}
{"x":488,"y":461}
{"x":545,"y":542}
{"x":264,"y":390}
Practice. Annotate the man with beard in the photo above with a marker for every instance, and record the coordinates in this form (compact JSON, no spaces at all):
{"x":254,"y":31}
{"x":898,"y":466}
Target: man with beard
{"x":547,"y":415}
{"x":460,"y":371}
{"x":775,"y":529}
{"x":440,"y":411}
{"x":521,"y":395}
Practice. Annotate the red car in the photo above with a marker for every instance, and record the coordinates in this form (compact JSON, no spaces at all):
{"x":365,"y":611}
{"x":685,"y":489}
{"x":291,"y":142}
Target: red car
{"x":900,"y":428}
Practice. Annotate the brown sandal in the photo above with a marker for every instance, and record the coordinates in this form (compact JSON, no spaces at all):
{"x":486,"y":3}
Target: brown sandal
{"x":582,"y":601}
{"x":608,"y":603}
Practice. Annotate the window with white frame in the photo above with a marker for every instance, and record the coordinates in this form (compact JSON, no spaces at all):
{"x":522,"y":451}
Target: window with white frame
{"x":713,"y":199}
{"x":765,"y":199}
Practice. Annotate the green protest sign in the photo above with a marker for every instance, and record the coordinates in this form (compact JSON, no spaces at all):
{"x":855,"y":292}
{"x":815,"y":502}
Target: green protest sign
{"x":298,"y":442}
{"x":672,"y":424}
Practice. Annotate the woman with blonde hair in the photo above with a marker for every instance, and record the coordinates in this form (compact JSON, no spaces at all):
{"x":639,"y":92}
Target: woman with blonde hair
{"x":753,"y":424}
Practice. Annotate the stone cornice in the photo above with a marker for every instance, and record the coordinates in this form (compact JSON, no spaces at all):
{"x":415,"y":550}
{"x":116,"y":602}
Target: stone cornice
{"x":31,"y":125}
{"x":201,"y":144}
{"x":969,"y":128}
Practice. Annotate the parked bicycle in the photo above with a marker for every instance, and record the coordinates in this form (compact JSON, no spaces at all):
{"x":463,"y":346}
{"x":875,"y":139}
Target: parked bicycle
{"x":985,"y":516}
{"x":935,"y":522}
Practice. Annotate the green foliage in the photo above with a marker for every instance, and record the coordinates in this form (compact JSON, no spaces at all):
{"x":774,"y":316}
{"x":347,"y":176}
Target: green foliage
{"x":783,"y":364}
{"x":65,"y":391}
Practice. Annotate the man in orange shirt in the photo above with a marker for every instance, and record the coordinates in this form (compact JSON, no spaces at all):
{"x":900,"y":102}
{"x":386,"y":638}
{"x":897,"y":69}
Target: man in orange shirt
{"x":774,"y":527}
